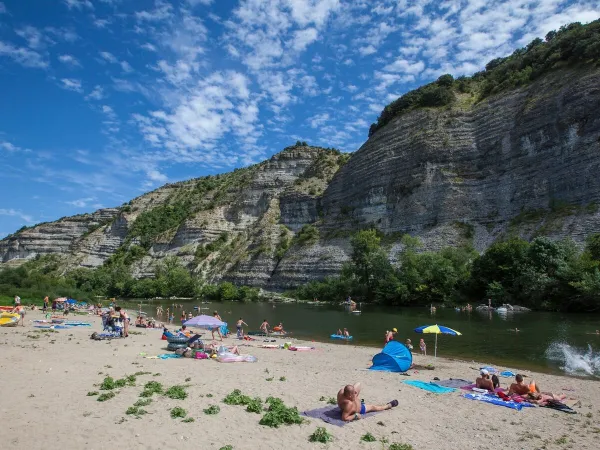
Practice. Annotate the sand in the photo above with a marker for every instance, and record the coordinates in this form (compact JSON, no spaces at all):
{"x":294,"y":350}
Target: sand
{"x":44,"y":402}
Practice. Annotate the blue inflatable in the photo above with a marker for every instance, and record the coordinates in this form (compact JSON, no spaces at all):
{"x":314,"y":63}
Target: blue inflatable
{"x":394,"y":357}
{"x":341,"y":336}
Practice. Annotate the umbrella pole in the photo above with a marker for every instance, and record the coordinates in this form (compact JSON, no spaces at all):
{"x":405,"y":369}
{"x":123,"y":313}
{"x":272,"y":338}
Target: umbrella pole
{"x":435,"y":351}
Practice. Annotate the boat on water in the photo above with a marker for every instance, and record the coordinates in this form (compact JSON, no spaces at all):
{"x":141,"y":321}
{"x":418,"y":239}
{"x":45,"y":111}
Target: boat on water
{"x":341,"y":336}
{"x":9,"y":319}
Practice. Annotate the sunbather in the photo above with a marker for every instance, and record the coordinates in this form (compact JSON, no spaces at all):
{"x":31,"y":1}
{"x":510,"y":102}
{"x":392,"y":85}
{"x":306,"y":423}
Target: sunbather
{"x":349,"y":402}
{"x":521,"y":388}
{"x":484,"y":382}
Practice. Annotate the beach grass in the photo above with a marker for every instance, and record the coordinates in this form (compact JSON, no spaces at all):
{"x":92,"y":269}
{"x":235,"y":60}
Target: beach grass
{"x":321,"y":435}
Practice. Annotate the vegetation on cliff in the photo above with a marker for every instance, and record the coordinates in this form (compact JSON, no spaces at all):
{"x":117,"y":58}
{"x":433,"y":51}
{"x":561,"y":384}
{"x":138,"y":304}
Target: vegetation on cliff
{"x":571,"y":44}
{"x":543,"y":274}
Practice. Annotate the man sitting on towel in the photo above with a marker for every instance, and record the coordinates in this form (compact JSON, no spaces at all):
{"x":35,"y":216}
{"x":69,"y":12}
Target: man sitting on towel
{"x":484,"y":382}
{"x":349,"y":402}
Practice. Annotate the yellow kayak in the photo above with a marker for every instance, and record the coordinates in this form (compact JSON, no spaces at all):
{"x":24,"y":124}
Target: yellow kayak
{"x":9,"y":319}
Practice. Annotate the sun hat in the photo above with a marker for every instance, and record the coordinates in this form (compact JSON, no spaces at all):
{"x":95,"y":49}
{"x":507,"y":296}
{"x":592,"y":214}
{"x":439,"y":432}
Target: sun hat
{"x":395,"y":330}
{"x":484,"y":372}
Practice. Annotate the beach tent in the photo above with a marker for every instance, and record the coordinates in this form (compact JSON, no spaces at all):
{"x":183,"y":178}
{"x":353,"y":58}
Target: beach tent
{"x":71,"y":301}
{"x":394,"y":357}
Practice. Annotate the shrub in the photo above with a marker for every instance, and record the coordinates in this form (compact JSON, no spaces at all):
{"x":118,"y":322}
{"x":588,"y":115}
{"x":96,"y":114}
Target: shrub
{"x":321,"y":435}
{"x":178,"y":412}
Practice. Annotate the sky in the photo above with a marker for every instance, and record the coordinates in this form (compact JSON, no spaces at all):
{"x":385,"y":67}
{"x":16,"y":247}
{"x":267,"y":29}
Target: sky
{"x":103,"y":100}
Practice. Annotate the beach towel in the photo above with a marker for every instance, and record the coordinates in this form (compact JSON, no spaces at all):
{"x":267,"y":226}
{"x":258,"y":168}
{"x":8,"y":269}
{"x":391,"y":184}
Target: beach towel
{"x":332,"y":414}
{"x":429,"y":387}
{"x":453,"y":383}
{"x":169,"y":355}
{"x":507,"y":374}
{"x":489,"y":398}
{"x":470,"y":387}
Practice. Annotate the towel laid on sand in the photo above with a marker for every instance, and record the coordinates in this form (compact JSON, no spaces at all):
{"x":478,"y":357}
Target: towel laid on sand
{"x":469,"y":387}
{"x":429,"y":387}
{"x":453,"y":383}
{"x":489,"y":398}
{"x":332,"y":414}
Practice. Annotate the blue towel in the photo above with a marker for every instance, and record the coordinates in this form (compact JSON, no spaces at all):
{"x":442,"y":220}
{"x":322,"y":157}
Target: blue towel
{"x":507,"y":374}
{"x":430,"y":387}
{"x":497,"y":401}
{"x":169,"y":355}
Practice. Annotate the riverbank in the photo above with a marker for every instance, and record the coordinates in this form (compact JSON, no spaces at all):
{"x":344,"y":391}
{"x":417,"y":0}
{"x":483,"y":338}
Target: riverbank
{"x":51,"y":373}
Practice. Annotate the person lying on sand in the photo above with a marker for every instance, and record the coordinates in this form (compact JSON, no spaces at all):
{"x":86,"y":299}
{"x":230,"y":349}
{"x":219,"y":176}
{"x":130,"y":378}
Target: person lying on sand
{"x":349,"y":402}
{"x":484,"y":382}
{"x":521,"y":388}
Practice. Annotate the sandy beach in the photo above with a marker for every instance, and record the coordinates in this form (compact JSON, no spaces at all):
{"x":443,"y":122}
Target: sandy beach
{"x":47,"y":375}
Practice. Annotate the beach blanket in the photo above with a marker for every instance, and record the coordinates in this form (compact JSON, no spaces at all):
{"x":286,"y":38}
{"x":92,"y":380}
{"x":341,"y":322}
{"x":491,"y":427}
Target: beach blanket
{"x":168,"y":356}
{"x":429,"y":387}
{"x":559,"y":406}
{"x":507,"y":374}
{"x":469,"y":387}
{"x":453,"y":383}
{"x":489,"y":398}
{"x":332,"y":414}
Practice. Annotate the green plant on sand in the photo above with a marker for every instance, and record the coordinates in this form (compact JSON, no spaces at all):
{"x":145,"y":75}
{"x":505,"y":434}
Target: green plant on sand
{"x":135,"y":411}
{"x":212,"y":410}
{"x":178,"y":412}
{"x":105,"y":396}
{"x":397,"y":446}
{"x":237,"y":398}
{"x":188,"y":420}
{"x":280,"y":414}
{"x":176,"y":392}
{"x":143,"y":402}
{"x":368,"y":438}
{"x":150,"y":388}
{"x":321,"y":435}
{"x":89,"y":394}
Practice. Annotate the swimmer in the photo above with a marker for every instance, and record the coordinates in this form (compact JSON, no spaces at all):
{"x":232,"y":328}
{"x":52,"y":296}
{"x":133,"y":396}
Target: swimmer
{"x":339,"y":332}
{"x":264,"y":327}
{"x":346,"y":332}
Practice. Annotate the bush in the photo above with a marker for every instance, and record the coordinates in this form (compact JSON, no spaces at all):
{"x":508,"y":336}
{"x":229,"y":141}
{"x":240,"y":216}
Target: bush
{"x":178,"y":412}
{"x":212,"y":410}
{"x":176,"y":392}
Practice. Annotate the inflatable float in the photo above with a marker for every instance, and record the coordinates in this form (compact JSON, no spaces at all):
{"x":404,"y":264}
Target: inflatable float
{"x":9,"y":319}
{"x":301,"y":349}
{"x":341,"y":336}
{"x":231,"y":357}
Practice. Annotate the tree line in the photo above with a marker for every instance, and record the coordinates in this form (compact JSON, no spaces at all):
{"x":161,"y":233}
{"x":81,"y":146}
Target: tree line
{"x":543,"y":274}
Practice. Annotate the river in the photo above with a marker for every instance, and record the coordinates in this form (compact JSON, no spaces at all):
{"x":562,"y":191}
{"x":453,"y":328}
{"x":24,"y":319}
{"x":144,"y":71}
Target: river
{"x":547,"y":342}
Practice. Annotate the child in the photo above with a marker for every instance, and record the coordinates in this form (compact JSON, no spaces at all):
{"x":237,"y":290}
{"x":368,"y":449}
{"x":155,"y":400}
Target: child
{"x":409,"y":344}
{"x":423,"y":347}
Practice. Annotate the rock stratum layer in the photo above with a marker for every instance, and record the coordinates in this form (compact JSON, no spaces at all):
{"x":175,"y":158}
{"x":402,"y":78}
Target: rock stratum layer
{"x":524,"y":162}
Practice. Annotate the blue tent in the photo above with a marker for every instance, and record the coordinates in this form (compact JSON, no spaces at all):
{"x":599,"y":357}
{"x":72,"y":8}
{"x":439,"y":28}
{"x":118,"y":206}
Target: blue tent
{"x":394,"y":357}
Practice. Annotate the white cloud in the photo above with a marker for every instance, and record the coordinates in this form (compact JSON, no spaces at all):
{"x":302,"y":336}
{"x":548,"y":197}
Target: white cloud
{"x":101,"y":23}
{"x":33,"y":36}
{"x":405,"y":66}
{"x":96,"y":94}
{"x":81,"y":202}
{"x":318,"y":120}
{"x":69,"y":60}
{"x":156,"y":176}
{"x":16,"y":213}
{"x":78,"y":4}
{"x":367,"y":50}
{"x":217,"y":105}
{"x":303,"y":38}
{"x":107,"y":56}
{"x":71,"y":84}
{"x":162,"y":11}
{"x":199,"y":2}
{"x":23,"y":56}
{"x":126,"y":67}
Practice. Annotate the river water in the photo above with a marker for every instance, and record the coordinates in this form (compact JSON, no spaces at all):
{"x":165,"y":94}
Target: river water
{"x":547,"y":342}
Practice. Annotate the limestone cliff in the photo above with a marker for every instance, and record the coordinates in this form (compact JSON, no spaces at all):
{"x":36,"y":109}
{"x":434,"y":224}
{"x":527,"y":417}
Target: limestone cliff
{"x":523,"y":162}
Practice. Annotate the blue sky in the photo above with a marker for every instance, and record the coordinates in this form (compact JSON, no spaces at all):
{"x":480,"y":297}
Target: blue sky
{"x":102,"y":100}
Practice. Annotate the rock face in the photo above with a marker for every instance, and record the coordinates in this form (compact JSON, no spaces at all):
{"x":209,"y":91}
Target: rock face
{"x":524,"y":162}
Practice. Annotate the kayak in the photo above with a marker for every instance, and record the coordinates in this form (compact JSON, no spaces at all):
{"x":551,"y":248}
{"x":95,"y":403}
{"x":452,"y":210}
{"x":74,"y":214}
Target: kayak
{"x":9,"y":320}
{"x":340,"y":336}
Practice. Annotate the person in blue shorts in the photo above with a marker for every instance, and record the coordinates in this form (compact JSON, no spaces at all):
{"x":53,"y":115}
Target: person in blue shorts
{"x":351,"y":406}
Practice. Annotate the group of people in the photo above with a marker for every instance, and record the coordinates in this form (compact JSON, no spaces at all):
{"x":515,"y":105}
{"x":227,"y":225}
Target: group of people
{"x":390,"y":335}
{"x":518,"y":391}
{"x":344,"y":333}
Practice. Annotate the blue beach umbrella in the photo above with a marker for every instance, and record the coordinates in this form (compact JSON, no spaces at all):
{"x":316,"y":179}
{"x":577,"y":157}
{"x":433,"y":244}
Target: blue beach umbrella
{"x":437,"y":329}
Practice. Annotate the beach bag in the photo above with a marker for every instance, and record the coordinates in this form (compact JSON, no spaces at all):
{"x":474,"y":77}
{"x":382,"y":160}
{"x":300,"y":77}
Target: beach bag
{"x":200,"y":355}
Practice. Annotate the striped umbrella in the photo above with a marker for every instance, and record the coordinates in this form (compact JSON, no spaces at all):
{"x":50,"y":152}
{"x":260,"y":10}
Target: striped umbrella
{"x":437,"y":329}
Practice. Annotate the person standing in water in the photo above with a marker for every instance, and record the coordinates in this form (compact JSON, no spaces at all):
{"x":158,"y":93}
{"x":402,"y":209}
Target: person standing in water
{"x":217,"y":329}
{"x":240,"y":329}
{"x":389,"y":335}
{"x":264,"y":327}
